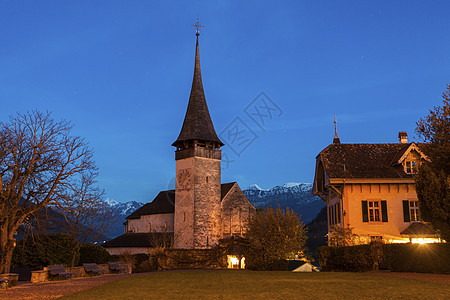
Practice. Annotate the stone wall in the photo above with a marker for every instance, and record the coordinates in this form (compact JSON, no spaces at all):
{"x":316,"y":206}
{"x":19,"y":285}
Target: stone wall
{"x":184,"y":205}
{"x":207,"y":212}
{"x":236,"y":212}
{"x":197,"y":205}
{"x":152,"y":223}
{"x":127,"y":250}
{"x":44,"y":275}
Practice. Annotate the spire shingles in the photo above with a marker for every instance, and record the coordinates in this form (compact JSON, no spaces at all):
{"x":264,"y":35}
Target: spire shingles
{"x":197,"y":123}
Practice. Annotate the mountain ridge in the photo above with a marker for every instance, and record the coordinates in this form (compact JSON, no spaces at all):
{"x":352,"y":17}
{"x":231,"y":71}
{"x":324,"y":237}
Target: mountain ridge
{"x":296,"y":196}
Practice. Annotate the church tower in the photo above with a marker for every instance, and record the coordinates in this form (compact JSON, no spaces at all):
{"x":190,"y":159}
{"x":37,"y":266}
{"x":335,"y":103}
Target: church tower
{"x":197,"y":220}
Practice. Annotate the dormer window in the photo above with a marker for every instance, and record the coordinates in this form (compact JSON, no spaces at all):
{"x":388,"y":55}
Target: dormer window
{"x":411,"y":167}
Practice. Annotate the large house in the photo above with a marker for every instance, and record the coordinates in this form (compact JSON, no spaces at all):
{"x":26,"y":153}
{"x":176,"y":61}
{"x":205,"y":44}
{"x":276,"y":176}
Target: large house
{"x":370,"y":188}
{"x":201,"y":210}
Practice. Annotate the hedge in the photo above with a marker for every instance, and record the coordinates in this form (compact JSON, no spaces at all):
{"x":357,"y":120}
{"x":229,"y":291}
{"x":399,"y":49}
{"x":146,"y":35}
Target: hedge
{"x":348,"y":259}
{"x":427,"y":258}
{"x":90,"y":253}
{"x":44,"y":250}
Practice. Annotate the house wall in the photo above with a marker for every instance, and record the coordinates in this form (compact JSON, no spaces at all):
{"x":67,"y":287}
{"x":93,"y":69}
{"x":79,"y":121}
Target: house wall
{"x":152,"y":223}
{"x":392,"y":193}
{"x":236,"y":212}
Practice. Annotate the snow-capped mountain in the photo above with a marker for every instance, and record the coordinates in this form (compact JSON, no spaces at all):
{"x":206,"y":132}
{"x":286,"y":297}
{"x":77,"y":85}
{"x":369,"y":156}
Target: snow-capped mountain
{"x":294,"y":195}
{"x":121,"y":211}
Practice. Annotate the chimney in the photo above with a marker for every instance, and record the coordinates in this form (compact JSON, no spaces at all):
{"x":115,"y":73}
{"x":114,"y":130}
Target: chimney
{"x":403,"y":137}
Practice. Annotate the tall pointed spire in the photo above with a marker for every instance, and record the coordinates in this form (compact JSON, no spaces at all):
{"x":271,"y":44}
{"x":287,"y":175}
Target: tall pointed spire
{"x":336,"y":137}
{"x":197,"y":125}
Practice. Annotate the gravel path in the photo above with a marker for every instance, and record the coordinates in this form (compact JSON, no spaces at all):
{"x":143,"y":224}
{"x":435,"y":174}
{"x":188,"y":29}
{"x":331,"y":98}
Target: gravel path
{"x":55,"y":289}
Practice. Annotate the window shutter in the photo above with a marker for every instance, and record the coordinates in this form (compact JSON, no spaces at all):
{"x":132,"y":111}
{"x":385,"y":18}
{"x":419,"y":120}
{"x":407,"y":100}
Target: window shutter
{"x":365,"y":214}
{"x":384,"y":213}
{"x":406,"y":217}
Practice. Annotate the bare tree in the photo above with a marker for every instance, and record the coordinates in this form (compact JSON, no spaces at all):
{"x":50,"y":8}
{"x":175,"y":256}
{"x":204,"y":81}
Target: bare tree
{"x":39,"y":162}
{"x":86,"y":216}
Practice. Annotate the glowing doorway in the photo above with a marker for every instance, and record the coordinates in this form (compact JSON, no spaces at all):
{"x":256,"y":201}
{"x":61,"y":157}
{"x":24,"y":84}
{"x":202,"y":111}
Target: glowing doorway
{"x":235,"y":262}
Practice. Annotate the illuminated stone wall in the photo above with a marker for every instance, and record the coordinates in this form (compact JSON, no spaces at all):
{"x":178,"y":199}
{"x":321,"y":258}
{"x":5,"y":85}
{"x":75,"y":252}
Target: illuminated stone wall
{"x":197,"y":221}
{"x":152,"y":223}
{"x":236,"y":212}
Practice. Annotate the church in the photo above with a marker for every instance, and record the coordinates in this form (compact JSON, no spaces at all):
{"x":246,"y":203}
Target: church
{"x":201,"y":210}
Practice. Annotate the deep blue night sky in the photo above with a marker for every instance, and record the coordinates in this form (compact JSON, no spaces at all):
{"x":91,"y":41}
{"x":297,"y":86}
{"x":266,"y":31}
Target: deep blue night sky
{"x":121,"y":71}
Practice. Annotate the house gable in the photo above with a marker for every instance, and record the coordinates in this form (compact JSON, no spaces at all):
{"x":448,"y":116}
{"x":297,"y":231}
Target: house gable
{"x":412,"y":150}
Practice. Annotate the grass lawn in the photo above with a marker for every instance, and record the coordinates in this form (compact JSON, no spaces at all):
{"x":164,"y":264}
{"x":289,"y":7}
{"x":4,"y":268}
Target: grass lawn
{"x":264,"y":285}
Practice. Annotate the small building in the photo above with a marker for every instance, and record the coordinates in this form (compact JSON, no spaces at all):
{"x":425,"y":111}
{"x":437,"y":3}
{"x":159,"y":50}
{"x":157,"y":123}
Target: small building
{"x":370,"y":188}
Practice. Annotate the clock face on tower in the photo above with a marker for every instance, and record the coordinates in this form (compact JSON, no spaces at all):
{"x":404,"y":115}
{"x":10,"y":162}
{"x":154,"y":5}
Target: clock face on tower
{"x":184,"y":179}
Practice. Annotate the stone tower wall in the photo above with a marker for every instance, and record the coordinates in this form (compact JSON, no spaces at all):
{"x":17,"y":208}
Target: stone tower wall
{"x":184,"y":207}
{"x":207,"y":215}
{"x":197,"y":219}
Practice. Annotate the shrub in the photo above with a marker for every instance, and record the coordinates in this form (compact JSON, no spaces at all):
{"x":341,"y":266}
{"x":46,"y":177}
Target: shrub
{"x":278,"y":265}
{"x":90,"y":253}
{"x":273,"y":235}
{"x":139,"y":262}
{"x":43,"y":250}
{"x":427,"y":258}
{"x":148,"y":265}
{"x":350,"y":258}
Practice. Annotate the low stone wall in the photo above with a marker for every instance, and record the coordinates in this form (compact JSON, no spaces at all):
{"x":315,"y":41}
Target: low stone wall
{"x":44,"y":275}
{"x":12,"y":279}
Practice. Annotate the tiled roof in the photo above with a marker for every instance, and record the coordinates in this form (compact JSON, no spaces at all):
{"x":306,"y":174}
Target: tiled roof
{"x":164,"y":203}
{"x":137,"y":239}
{"x":197,"y":123}
{"x":225,"y":188}
{"x":364,"y":160}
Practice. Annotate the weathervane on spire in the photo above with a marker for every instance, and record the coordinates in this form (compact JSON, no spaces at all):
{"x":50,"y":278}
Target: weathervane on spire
{"x":197,"y":27}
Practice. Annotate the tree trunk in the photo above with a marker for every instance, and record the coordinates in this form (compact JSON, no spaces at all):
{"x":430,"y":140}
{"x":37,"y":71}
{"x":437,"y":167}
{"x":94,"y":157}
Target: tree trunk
{"x":7,"y":249}
{"x":75,"y":250}
{"x":74,"y":253}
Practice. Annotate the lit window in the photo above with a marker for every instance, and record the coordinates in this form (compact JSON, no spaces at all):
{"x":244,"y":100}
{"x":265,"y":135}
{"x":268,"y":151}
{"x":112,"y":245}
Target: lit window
{"x":414,"y":210}
{"x":411,"y":167}
{"x":374,"y":211}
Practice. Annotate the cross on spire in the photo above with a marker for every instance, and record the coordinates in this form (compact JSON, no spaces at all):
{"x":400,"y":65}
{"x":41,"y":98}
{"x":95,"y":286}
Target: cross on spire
{"x":336,"y":137}
{"x":197,"y":27}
